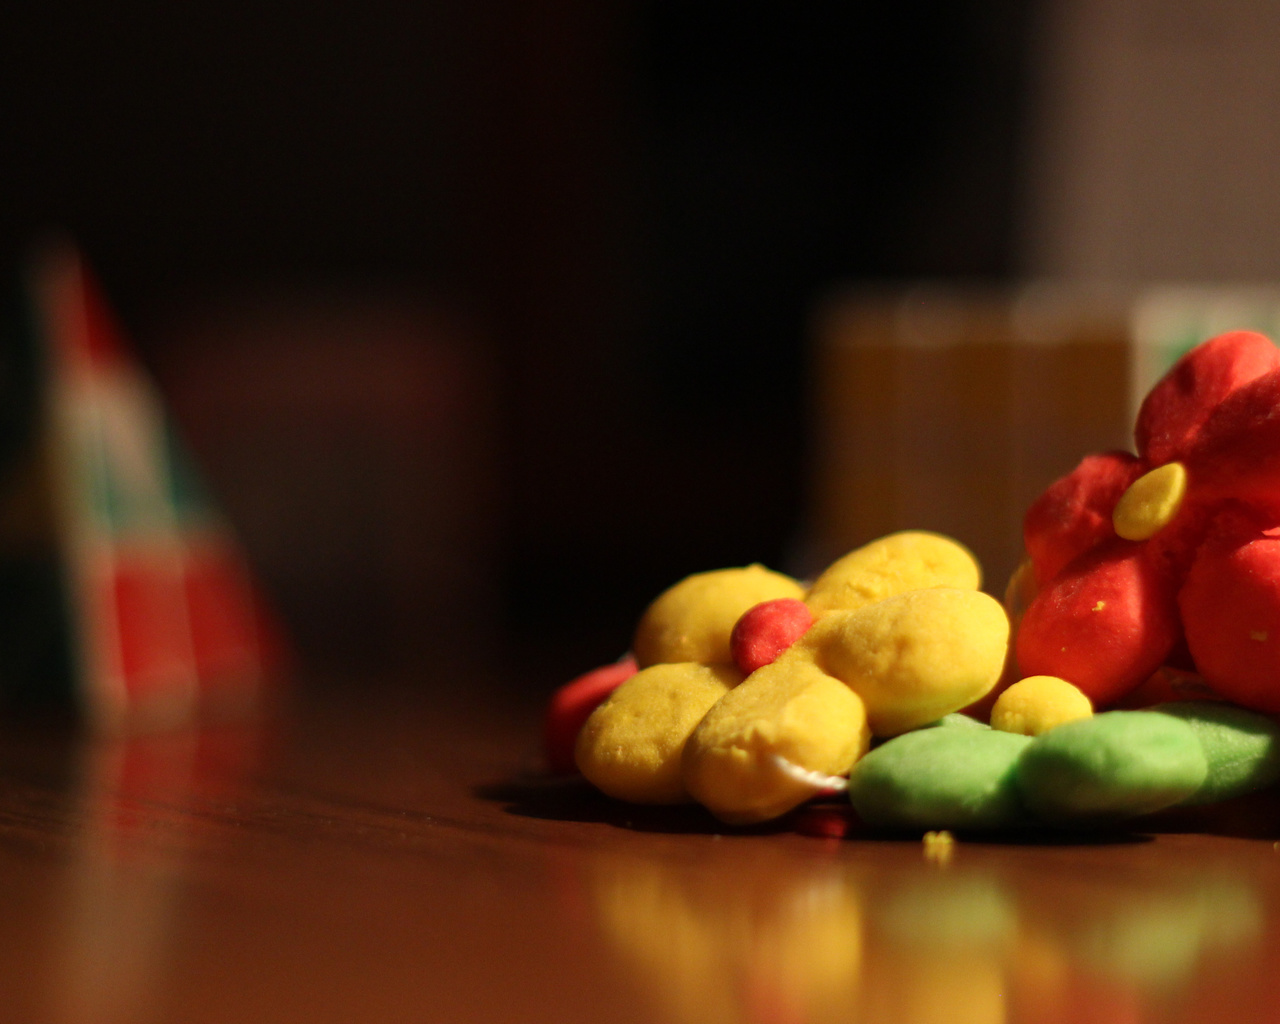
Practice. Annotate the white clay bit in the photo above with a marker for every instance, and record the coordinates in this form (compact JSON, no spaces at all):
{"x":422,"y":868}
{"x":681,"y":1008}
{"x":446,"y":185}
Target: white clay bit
{"x":822,"y":783}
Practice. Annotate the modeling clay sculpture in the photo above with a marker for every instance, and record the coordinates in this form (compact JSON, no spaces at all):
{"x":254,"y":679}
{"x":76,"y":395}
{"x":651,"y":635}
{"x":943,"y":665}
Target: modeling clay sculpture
{"x":754,"y":693}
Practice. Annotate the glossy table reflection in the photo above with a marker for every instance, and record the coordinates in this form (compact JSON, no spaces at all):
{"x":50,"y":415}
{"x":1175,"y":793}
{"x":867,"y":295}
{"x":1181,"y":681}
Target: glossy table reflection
{"x":383,"y":856}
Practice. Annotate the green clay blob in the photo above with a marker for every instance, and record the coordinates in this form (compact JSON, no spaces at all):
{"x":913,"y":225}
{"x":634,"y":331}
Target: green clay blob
{"x":1242,"y":747}
{"x":1112,"y":766}
{"x":953,"y":777}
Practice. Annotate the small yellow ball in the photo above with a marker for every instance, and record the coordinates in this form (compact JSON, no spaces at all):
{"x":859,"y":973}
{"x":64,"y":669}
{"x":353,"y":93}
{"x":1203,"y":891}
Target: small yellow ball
{"x":1037,"y":704}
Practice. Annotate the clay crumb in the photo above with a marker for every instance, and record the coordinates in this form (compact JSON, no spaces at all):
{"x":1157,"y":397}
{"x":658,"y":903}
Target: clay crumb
{"x":939,"y":847}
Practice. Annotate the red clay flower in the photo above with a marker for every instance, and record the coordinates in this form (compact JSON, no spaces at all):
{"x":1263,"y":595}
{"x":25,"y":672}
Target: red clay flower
{"x":1135,"y":554}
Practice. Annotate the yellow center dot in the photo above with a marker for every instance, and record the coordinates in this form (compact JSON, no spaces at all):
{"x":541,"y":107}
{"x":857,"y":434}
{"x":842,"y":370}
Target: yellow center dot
{"x":1151,"y":502}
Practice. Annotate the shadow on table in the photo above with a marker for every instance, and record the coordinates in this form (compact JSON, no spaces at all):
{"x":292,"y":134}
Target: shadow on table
{"x":572,"y":798}
{"x":1253,"y":816}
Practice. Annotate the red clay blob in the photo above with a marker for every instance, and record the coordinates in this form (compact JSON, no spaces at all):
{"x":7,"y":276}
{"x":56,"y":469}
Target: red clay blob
{"x":1105,"y":623}
{"x":1074,"y":513}
{"x":1183,"y":400}
{"x":571,"y":706}
{"x":1175,"y":546}
{"x":1231,"y":609}
{"x":1237,"y":452}
{"x":766,"y":630}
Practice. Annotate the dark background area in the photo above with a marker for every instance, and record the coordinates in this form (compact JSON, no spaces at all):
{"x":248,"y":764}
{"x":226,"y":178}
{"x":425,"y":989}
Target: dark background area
{"x":605,"y":224}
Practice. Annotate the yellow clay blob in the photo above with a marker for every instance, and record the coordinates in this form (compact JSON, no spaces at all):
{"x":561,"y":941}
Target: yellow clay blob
{"x":911,"y":560}
{"x":1151,"y":502}
{"x":1036,"y":704}
{"x":789,"y":709}
{"x":692,"y":620}
{"x":913,"y":657}
{"x":630,"y":747}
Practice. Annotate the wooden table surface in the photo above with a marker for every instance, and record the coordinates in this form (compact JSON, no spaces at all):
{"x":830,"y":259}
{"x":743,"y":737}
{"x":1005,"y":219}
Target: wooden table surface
{"x":385,"y":855}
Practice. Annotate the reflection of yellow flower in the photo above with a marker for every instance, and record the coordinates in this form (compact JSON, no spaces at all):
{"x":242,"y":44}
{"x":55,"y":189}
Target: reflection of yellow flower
{"x":723,"y":944}
{"x":758,"y":933}
{"x":967,"y":987}
{"x":942,"y":946}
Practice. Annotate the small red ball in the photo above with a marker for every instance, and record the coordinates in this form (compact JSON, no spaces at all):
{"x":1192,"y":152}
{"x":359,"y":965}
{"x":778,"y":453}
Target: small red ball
{"x":766,"y":630}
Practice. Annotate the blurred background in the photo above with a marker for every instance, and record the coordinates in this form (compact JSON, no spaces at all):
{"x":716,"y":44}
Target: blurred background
{"x":488,"y":321}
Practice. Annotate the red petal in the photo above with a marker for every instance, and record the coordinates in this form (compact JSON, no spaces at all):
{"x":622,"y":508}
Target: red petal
{"x":1237,"y":451}
{"x":1074,"y":513}
{"x":1105,"y":623}
{"x":1231,"y":607}
{"x":1178,"y":406}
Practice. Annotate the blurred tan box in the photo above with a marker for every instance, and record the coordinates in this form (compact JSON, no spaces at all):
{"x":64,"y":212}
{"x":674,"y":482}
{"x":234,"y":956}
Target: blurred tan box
{"x":951,"y":408}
